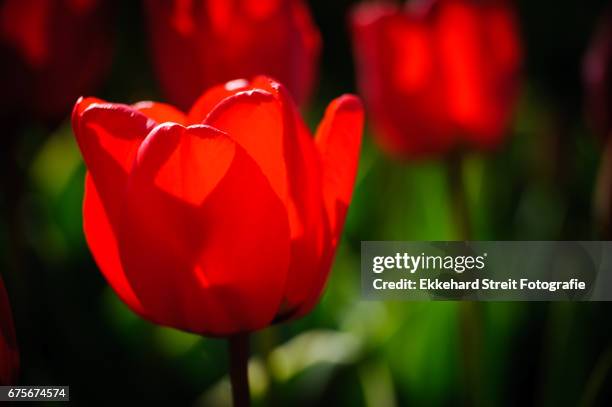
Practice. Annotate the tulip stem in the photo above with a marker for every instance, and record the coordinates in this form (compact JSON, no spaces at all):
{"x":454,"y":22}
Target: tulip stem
{"x":459,"y":203}
{"x":239,"y":360}
{"x":470,"y":317}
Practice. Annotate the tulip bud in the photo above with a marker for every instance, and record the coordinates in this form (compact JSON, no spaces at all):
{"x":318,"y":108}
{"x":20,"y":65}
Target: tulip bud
{"x":199,"y":43}
{"x":439,"y":74}
{"x":223,"y":220}
{"x":52,"y":52}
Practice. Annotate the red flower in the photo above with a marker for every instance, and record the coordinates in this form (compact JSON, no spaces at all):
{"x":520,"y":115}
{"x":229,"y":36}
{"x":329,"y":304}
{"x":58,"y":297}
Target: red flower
{"x":598,"y":79}
{"x":52,"y":51}
{"x":197,"y":44}
{"x":9,"y":356}
{"x":222,"y":220}
{"x":438,"y":74}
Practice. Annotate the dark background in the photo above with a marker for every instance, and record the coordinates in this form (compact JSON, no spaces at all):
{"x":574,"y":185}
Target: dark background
{"x":72,"y":329}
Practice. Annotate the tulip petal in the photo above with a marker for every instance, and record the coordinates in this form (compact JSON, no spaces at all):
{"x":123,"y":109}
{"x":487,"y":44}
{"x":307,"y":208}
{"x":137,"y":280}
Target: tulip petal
{"x":400,"y":80}
{"x":201,"y":239}
{"x":254,"y":119}
{"x":161,"y":112}
{"x":197,"y":45}
{"x":103,"y":244}
{"x":179,"y":59}
{"x":217,"y":94}
{"x":266,"y":123}
{"x":108,"y":136}
{"x":338,"y":140}
{"x":458,"y":32}
{"x":212,"y":97}
{"x":309,"y":227}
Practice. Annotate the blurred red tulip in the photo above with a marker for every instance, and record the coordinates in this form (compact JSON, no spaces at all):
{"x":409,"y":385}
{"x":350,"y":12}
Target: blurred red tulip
{"x":222,"y":220}
{"x":9,"y":356}
{"x":52,"y":52}
{"x":438,"y":74}
{"x":197,"y":44}
{"x":598,"y":78}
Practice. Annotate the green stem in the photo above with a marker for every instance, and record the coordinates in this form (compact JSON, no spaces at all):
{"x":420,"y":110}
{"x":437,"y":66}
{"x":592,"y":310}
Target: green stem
{"x":470,"y":319}
{"x":459,"y":205}
{"x":239,"y":360}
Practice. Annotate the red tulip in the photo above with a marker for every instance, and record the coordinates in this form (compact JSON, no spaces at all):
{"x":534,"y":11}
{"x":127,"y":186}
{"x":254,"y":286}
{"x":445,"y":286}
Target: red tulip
{"x":52,"y":51}
{"x":438,"y":74}
{"x":9,"y":356}
{"x":598,"y":79}
{"x":222,"y":220}
{"x":197,"y":44}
